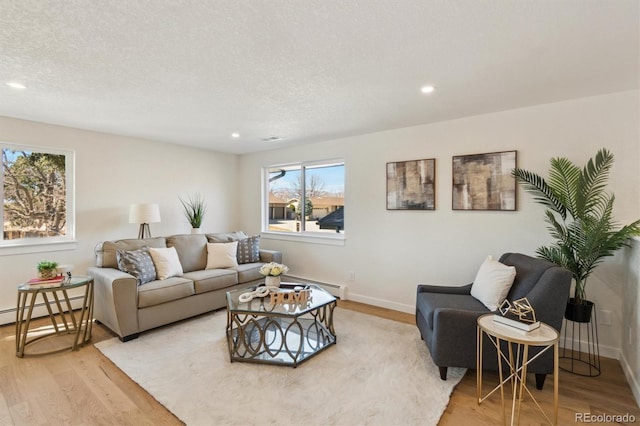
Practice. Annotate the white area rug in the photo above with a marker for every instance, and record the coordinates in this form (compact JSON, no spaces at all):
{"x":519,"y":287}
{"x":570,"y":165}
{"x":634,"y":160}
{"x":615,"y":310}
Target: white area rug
{"x":379,"y":373}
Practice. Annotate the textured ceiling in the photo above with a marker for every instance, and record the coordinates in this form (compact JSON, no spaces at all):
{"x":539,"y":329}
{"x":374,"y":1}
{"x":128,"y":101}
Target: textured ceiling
{"x":193,"y":72}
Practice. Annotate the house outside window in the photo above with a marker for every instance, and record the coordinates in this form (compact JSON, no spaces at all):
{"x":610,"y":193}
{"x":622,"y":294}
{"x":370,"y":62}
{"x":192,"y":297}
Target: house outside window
{"x":318,"y":209}
{"x":37,"y":193}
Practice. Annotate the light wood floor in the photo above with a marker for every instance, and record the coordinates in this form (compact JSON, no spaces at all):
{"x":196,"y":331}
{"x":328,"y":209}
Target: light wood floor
{"x":85,"y":388}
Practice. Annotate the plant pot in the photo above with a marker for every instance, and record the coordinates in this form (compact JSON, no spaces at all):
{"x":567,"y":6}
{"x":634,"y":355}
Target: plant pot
{"x":578,"y":312}
{"x":196,"y":231}
{"x":271,"y":281}
{"x":47,"y":274}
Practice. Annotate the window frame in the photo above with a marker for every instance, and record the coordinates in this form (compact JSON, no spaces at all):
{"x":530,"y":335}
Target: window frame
{"x":43,"y":244}
{"x":331,"y":238}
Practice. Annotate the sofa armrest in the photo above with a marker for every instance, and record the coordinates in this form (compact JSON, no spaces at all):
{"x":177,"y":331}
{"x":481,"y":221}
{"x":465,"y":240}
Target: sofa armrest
{"x":267,"y":256}
{"x":465,"y":289}
{"x":116,"y":300}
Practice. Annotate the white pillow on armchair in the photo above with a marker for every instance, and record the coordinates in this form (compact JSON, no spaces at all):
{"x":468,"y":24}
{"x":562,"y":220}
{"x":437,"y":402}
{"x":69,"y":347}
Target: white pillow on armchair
{"x":493,"y":282}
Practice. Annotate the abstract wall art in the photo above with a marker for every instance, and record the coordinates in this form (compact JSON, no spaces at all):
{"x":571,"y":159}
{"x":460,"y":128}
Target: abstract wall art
{"x":411,"y":185}
{"x":484,"y":181}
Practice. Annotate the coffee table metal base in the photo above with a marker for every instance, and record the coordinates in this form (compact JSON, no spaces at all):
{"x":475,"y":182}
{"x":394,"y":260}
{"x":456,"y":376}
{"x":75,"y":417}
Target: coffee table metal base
{"x":280,"y":340}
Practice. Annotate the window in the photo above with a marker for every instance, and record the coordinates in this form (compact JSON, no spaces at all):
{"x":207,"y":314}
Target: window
{"x":37,"y":195}
{"x":319,"y":209}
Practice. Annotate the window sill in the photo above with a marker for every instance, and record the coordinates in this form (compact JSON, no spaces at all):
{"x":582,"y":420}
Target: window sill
{"x":27,"y":248}
{"x":326,"y":239}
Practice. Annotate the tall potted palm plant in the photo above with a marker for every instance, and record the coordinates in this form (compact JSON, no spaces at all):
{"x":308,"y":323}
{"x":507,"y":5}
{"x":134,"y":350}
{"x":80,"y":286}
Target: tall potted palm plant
{"x":580,"y":216}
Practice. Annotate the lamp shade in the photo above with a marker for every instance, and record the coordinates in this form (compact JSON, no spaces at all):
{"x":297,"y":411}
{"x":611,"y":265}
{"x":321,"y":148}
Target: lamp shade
{"x":144,"y":213}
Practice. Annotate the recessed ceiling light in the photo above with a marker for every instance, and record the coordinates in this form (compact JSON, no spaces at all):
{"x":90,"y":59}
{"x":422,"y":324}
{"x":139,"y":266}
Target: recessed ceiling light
{"x":427,"y":89}
{"x":235,"y":135}
{"x":272,"y":139}
{"x":16,"y":85}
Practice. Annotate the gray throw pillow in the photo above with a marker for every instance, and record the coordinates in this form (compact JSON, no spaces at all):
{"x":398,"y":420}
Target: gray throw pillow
{"x":226,"y":237}
{"x":137,"y":263}
{"x":249,"y":250}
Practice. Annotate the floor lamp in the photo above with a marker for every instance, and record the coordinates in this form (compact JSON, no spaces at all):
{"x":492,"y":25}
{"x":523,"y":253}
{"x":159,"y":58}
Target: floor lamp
{"x":144,"y":214}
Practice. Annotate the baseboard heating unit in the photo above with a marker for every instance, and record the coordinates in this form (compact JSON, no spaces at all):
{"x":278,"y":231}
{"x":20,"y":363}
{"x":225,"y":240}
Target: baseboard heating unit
{"x":337,"y":290}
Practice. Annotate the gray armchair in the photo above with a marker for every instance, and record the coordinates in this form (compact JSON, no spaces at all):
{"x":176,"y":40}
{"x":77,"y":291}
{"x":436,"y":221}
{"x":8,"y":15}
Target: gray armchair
{"x":446,"y":316}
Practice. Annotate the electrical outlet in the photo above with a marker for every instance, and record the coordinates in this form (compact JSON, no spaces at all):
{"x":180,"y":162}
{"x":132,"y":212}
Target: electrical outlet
{"x":605,"y":317}
{"x":352,"y":276}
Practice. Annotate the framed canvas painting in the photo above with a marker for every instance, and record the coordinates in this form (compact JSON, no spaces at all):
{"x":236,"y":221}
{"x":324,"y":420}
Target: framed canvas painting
{"x":411,"y":185}
{"x":484,"y":181}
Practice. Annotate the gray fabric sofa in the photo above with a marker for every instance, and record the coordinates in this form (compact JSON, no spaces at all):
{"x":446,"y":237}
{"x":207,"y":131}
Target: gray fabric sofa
{"x":129,"y":309}
{"x":447,"y":316}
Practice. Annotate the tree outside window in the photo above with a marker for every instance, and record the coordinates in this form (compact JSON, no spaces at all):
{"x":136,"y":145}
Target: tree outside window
{"x":35,"y":192}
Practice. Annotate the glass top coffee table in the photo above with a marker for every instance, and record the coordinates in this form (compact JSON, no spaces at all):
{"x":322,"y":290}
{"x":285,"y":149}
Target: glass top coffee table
{"x":286,"y":327}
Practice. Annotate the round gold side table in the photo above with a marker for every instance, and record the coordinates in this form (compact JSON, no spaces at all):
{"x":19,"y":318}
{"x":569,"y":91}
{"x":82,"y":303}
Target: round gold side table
{"x":545,"y":336}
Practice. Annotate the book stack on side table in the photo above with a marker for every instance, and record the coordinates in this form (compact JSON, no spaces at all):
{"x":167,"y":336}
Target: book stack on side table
{"x":51,"y":281}
{"x":516,"y":322}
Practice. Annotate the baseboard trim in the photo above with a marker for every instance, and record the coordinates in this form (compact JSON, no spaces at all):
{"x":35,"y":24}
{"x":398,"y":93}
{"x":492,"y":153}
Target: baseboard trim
{"x":605,"y":351}
{"x":341,"y":291}
{"x":410,"y":309}
{"x":633,"y":383}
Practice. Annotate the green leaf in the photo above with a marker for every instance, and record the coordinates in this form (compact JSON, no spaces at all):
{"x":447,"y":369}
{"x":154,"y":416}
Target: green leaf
{"x":541,"y":191}
{"x":563,"y":180}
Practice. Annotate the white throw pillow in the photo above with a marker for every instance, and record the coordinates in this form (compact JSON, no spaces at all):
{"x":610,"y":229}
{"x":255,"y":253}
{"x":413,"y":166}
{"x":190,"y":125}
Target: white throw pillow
{"x":493,"y":282}
{"x":166,"y":262}
{"x":222,"y":255}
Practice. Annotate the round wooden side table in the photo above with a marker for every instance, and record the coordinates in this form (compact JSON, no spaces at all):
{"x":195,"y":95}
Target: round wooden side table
{"x":56,"y":300}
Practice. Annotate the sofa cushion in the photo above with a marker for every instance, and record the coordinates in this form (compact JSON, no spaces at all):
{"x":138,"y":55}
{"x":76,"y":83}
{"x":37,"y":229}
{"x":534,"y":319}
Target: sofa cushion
{"x":109,"y":249}
{"x":192,"y":250}
{"x":137,"y":263}
{"x":162,"y":291}
{"x":249,"y":250}
{"x":249,"y":272}
{"x":427,"y":303}
{"x":492,"y":283}
{"x":222,"y":255}
{"x":166,"y":262}
{"x":212,"y":279}
{"x":225,"y":237}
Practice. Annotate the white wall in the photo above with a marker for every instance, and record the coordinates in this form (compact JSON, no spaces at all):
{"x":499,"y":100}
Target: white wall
{"x":113,"y":172}
{"x":392,"y":251}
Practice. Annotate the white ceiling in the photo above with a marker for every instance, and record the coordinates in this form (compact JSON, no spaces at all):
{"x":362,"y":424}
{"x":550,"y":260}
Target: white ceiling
{"x":194,"y":71}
